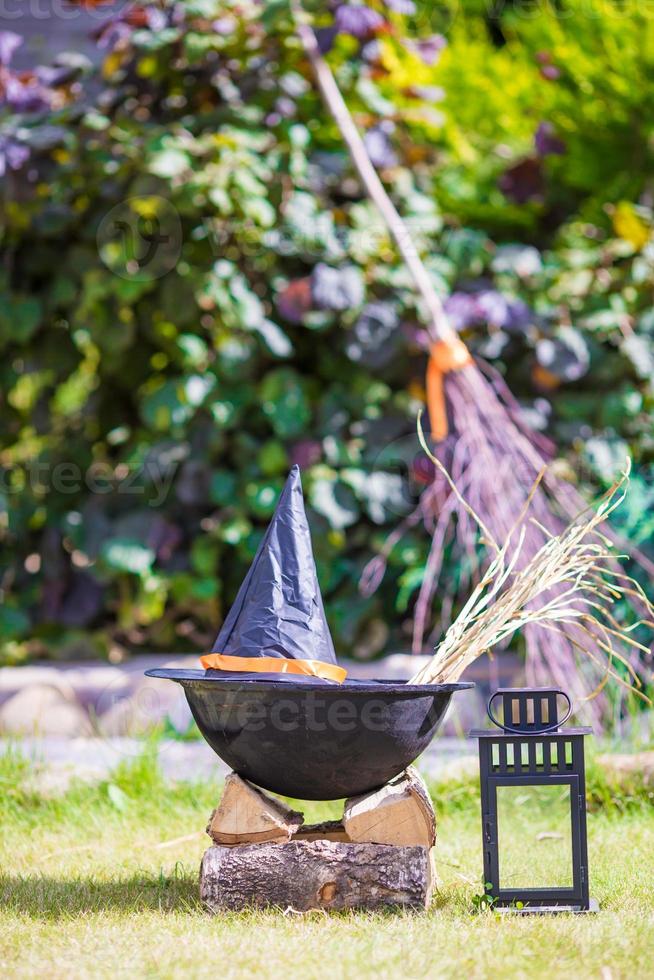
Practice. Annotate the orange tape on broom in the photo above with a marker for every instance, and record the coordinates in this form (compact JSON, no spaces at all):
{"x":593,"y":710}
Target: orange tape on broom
{"x":274,"y":665}
{"x":444,"y":356}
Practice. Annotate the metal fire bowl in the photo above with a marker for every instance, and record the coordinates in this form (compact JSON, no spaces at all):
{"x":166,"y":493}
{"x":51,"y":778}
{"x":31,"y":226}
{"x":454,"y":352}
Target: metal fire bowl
{"x":309,"y":739}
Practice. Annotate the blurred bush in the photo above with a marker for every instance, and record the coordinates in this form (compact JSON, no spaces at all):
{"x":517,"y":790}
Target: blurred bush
{"x":545,"y":114}
{"x":196,"y":294}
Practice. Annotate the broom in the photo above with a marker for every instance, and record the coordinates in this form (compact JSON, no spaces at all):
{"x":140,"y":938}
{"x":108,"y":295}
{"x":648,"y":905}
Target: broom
{"x":571,"y":580}
{"x":480,"y":433}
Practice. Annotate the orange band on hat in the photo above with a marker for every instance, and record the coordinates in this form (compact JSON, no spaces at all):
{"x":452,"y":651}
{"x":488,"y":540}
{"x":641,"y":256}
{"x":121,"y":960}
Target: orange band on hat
{"x":444,"y":356}
{"x":274,"y":665}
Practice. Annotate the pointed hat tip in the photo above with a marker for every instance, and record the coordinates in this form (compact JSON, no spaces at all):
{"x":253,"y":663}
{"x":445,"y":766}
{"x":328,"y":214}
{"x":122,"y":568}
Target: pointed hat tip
{"x":292,"y":493}
{"x":294,"y":477}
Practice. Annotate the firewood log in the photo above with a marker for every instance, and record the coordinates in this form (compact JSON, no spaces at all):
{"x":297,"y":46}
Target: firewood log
{"x":400,"y":813}
{"x":248,"y":815}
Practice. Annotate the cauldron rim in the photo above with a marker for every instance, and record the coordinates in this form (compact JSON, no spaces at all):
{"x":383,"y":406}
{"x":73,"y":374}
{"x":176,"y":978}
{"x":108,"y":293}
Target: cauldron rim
{"x":268,"y":682}
{"x":323,"y":762}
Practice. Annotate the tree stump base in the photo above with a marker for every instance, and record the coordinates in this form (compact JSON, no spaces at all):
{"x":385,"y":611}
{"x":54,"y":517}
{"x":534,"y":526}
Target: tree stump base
{"x":319,"y":874}
{"x":264,"y":855}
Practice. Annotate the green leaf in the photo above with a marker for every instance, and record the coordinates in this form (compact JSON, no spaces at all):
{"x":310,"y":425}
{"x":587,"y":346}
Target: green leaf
{"x":14,"y":622}
{"x":222,"y":488}
{"x":606,"y":457}
{"x":204,"y":556}
{"x":409,"y":582}
{"x":284,"y":401}
{"x":169,"y":163}
{"x":335,"y":501}
{"x":260,"y":211}
{"x":234,"y":530}
{"x":19,"y":318}
{"x":197,"y":387}
{"x":272,"y":458}
{"x":128,"y":556}
{"x":382,"y":493}
{"x":639,"y":351}
{"x":167,"y":405}
{"x":194,"y":350}
{"x":96,"y":121}
{"x":204,"y":589}
{"x":262,"y":497}
{"x":117,"y":797}
{"x":274,"y":338}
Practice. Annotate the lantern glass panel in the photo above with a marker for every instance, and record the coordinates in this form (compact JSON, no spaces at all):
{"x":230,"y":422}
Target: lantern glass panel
{"x":534,"y":836}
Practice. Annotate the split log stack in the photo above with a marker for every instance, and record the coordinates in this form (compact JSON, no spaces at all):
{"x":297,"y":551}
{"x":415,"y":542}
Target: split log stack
{"x":263,"y":854}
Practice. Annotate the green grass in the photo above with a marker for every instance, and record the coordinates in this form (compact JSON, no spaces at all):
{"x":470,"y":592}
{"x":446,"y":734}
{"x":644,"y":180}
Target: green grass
{"x":87,"y":890}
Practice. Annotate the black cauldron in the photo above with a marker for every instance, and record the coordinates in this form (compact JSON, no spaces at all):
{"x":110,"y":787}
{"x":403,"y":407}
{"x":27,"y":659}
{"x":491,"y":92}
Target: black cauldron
{"x":309,"y":739}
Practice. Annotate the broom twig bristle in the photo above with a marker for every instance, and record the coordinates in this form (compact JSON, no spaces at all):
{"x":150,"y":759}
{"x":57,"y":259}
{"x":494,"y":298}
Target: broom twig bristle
{"x":568,"y":586}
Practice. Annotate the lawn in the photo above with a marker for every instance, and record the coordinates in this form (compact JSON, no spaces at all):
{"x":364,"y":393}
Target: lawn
{"x":102,"y":882}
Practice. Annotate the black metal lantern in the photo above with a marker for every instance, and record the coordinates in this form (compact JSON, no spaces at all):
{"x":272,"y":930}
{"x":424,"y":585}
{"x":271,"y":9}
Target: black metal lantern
{"x":533,"y":799}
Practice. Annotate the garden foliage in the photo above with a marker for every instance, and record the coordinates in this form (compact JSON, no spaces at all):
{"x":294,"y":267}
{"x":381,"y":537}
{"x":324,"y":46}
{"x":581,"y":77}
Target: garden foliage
{"x":196,"y":294}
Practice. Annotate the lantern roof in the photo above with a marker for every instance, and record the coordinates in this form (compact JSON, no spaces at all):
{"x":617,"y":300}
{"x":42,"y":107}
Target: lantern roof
{"x":495,"y":733}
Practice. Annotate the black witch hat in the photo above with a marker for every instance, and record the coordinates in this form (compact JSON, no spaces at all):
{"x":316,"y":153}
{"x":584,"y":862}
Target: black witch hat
{"x":278,"y":611}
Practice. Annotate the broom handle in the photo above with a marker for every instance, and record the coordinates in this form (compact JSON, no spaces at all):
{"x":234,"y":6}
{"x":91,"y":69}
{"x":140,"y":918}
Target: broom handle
{"x":438,"y":327}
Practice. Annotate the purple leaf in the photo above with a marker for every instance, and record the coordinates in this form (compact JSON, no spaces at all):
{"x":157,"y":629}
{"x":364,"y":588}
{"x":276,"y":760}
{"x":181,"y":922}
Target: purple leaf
{"x":113,"y":33}
{"x":325,"y":38}
{"x":192,"y":483}
{"x":25,"y":94}
{"x":337,"y":289}
{"x":428,"y":93}
{"x":9,"y":42}
{"x":487,"y":306}
{"x":546,"y":142}
{"x":285,"y":107}
{"x":164,"y":538}
{"x":462,"y":310}
{"x":306,"y":453}
{"x":502,"y":312}
{"x":83,"y":601}
{"x":401,"y":6}
{"x":428,"y":49}
{"x":156,"y":19}
{"x":295,"y":300}
{"x":371,"y":51}
{"x":53,"y":77}
{"x":564,"y":355}
{"x":523,"y":181}
{"x":358,"y":20}
{"x":224,"y":26}
{"x":380,"y":149}
{"x":13,"y":155}
{"x":550,"y":72}
{"x":373,"y":339}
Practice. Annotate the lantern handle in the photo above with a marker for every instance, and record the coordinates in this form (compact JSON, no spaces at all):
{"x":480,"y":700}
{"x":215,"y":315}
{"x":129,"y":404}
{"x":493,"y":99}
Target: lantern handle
{"x":522,"y":731}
